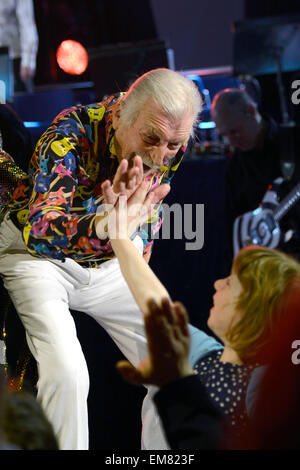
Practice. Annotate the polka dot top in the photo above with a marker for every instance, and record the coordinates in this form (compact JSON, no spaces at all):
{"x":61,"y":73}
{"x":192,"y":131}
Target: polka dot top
{"x":226,"y":384}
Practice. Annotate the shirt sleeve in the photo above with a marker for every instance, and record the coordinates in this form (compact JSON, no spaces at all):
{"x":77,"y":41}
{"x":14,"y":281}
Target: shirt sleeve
{"x":28,"y":33}
{"x":190,"y":420}
{"x":201,"y":345}
{"x":52,"y":228}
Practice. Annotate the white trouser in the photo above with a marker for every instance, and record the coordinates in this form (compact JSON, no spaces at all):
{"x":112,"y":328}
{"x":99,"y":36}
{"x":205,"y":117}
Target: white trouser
{"x":42,"y":292}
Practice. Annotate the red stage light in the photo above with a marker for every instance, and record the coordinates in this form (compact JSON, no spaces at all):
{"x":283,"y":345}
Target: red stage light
{"x":72,"y":57}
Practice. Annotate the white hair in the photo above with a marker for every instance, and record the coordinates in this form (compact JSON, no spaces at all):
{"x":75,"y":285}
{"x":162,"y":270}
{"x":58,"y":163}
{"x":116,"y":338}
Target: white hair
{"x":175,"y":95}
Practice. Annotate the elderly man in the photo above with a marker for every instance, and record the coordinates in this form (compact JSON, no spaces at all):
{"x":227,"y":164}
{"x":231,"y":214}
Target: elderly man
{"x":54,"y":250}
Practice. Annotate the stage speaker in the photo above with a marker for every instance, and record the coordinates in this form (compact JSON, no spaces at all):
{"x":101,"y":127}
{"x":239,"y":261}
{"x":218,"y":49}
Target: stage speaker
{"x":113,"y":68}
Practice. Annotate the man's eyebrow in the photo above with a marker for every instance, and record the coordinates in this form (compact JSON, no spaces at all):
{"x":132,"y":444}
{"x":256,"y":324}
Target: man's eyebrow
{"x":159,"y":135}
{"x":153,"y":131}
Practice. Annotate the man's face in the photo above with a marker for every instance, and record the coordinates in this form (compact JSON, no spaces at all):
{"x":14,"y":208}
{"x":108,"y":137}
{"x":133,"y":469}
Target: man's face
{"x":239,"y":127}
{"x":152,"y":136}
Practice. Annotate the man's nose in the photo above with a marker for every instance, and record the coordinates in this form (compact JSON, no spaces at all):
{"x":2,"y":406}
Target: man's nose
{"x":158,"y":155}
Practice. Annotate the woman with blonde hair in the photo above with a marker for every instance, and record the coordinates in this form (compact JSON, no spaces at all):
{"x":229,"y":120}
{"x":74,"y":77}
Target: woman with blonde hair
{"x":247,"y":306}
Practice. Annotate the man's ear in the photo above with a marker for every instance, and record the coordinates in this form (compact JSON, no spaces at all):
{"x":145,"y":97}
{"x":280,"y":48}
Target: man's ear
{"x":251,"y":110}
{"x":116,"y":113}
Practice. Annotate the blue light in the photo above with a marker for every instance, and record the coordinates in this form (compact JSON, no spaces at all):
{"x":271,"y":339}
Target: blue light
{"x":196,"y":79}
{"x":206,"y":125}
{"x":32,"y":124}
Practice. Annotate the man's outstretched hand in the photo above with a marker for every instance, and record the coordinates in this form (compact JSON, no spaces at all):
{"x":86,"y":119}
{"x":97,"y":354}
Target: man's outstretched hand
{"x":125,"y":181}
{"x":128,"y":201}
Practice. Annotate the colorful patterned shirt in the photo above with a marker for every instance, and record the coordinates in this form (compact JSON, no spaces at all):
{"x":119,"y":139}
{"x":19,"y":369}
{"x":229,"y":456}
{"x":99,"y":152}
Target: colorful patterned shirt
{"x":55,"y":205}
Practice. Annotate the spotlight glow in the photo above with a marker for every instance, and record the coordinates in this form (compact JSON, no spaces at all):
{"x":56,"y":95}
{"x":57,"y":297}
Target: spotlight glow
{"x":72,"y":57}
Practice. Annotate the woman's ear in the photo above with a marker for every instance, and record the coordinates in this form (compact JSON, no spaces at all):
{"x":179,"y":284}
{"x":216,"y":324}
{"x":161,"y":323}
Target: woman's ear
{"x":116,"y":114}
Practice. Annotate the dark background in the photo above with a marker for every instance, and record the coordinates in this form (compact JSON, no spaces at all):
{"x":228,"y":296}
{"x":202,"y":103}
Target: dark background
{"x":200,"y":33}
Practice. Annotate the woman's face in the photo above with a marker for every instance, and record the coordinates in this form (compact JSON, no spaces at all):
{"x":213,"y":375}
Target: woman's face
{"x":223,"y":314}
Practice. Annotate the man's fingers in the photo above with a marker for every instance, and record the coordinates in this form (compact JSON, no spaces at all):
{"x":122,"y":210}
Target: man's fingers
{"x":138,"y":163}
{"x":148,"y":203}
{"x":155,"y":196}
{"x":120,"y":176}
{"x":139,"y":196}
{"x":131,"y":178}
{"x":147,"y":207}
{"x":109,"y":195}
{"x":161,"y":192}
{"x":134,"y":176}
{"x":126,"y":179}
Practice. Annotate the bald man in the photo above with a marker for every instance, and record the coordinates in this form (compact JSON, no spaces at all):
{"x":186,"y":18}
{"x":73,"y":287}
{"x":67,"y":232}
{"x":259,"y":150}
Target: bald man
{"x":255,"y":162}
{"x":237,"y":118}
